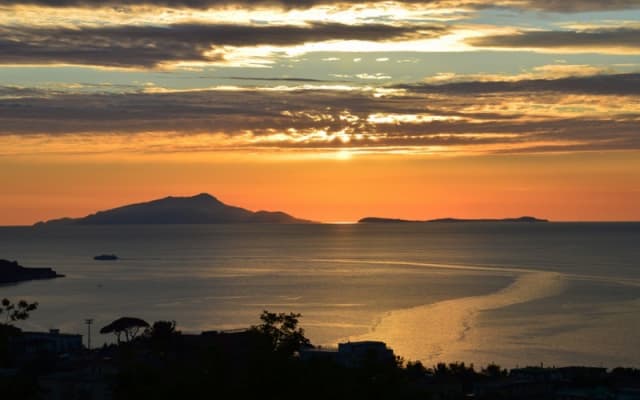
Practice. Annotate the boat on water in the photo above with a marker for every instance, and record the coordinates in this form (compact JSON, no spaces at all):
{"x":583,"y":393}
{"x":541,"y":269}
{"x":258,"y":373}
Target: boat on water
{"x":106,"y":257}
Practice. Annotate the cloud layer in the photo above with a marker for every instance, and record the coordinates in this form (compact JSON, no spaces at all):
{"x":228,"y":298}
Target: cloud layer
{"x":619,"y":84}
{"x":149,"y":46}
{"x":589,"y":113}
{"x":153,"y":36}
{"x":603,"y":39}
{"x":570,"y":99}
{"x":543,"y":5}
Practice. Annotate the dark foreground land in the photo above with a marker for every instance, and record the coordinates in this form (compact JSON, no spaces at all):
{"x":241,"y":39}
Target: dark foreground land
{"x":272,"y":360}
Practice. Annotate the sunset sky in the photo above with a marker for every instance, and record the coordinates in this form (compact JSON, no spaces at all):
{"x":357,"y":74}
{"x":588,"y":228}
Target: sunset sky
{"x":328,"y":110}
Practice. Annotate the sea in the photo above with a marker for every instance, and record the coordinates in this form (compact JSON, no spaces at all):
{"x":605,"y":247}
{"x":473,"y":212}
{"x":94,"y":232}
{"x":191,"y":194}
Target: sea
{"x":515,"y":294}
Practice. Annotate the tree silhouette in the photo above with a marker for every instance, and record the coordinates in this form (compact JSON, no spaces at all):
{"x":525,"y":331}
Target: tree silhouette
{"x":13,"y":312}
{"x":16,"y":312}
{"x":161,"y":336}
{"x":283,"y":331}
{"x":128,"y":325}
{"x":494,"y":371}
{"x":161,"y":329}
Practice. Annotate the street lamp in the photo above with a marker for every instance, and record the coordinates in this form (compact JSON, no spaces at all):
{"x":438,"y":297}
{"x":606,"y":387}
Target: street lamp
{"x":88,"y":321}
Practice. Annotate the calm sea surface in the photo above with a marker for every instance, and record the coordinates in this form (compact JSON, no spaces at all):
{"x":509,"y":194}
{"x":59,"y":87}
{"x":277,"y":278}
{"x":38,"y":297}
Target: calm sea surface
{"x":558,"y":293}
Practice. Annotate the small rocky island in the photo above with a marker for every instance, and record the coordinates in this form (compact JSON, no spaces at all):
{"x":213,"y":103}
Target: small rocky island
{"x":377,"y":220}
{"x":12,"y":272}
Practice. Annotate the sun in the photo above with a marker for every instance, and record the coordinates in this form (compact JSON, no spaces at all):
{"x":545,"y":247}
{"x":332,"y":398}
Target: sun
{"x":343,"y":154}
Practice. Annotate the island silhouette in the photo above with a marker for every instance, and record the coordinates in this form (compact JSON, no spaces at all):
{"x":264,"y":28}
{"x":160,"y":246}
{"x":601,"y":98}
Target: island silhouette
{"x":378,"y":220}
{"x":12,"y":272}
{"x":207,"y":209}
{"x":199,"y":209}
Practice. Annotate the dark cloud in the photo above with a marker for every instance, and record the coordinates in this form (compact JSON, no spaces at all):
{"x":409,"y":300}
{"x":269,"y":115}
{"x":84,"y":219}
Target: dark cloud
{"x":16,"y":92}
{"x":148,"y":46}
{"x":198,"y":4}
{"x":202,"y":111}
{"x":264,"y":112}
{"x":541,"y":5}
{"x":580,"y":5}
{"x":619,"y":84}
{"x":627,"y":38}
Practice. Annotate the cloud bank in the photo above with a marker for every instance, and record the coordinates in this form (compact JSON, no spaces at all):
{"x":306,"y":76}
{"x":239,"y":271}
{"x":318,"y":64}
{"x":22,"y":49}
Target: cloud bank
{"x":587,"y":113}
{"x":604,"y":40}
{"x":618,"y":84}
{"x":541,"y":5}
{"x":149,"y":46}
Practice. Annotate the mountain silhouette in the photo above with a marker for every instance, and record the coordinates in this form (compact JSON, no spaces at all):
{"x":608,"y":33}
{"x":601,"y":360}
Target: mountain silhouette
{"x":200,"y":209}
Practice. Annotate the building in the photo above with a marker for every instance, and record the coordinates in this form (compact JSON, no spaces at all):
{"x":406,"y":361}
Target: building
{"x":32,"y":344}
{"x":352,"y":354}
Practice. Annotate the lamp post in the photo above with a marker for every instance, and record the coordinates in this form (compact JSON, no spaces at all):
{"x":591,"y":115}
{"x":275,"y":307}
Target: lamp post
{"x":88,"y":321}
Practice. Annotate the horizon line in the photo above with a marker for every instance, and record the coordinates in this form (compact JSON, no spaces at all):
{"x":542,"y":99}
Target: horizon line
{"x":434,"y":220}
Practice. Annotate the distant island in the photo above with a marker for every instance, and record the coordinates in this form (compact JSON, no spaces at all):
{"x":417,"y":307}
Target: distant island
{"x":377,"y":220}
{"x":12,"y":272}
{"x":199,"y":209}
{"x":206,"y":209}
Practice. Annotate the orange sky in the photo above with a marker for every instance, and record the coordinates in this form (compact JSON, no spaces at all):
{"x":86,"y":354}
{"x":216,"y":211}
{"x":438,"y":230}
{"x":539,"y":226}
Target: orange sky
{"x":585,"y":186}
{"x":327,"y":110}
